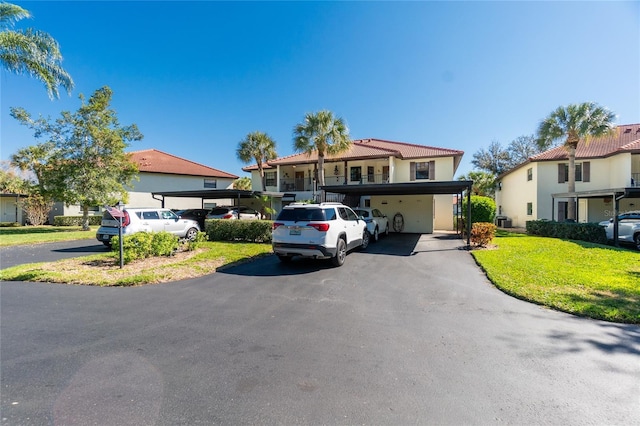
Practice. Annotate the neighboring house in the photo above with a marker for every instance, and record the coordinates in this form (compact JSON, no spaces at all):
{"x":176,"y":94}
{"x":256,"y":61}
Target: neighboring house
{"x":371,"y":168}
{"x":159,"y":171}
{"x":10,"y":211}
{"x":607,"y":169}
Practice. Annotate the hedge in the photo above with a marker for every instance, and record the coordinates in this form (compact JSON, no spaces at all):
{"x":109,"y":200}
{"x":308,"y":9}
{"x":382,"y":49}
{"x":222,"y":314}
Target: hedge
{"x":590,"y":232}
{"x":255,"y":231}
{"x":76,"y":220}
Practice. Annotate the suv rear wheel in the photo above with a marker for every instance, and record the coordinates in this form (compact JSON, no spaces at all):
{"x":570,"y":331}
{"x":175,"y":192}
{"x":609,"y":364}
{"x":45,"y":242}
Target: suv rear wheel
{"x":341,"y":253}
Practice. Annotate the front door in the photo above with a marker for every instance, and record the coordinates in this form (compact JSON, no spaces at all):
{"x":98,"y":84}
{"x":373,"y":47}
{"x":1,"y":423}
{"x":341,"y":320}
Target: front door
{"x":299,"y":181}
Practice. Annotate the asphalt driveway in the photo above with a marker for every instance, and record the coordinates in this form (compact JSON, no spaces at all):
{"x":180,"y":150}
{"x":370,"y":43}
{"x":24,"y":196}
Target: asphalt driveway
{"x":408,"y":332}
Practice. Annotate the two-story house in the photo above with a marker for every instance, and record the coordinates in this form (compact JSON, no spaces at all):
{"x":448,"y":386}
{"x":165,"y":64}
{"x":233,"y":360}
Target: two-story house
{"x":607,"y":179}
{"x":407,"y":182}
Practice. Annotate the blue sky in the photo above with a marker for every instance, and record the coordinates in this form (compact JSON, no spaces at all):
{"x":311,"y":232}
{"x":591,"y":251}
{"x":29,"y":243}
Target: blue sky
{"x":197,"y":77}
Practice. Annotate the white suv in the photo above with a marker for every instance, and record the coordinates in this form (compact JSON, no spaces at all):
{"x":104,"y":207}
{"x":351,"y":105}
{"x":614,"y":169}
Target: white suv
{"x":322,"y":231}
{"x":146,"y":220}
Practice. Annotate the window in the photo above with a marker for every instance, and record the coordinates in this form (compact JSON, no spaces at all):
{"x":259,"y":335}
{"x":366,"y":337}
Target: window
{"x":583,"y":172}
{"x":529,"y":209}
{"x":150,"y":215}
{"x":422,"y":170}
{"x":356,"y":174}
{"x":210,"y":183}
{"x":530,"y":174}
{"x":166,"y":214}
{"x":270,"y":178}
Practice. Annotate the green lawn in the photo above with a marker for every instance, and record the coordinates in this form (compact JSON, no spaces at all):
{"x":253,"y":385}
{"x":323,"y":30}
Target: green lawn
{"x":11,"y":236}
{"x":572,"y":276}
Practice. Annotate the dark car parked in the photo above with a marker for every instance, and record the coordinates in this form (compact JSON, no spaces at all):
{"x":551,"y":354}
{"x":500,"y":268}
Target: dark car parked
{"x":199,"y":215}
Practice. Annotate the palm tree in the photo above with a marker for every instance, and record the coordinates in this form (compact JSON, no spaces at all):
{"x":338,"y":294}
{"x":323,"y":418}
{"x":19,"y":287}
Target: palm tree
{"x":258,"y":147}
{"x":31,"y":51}
{"x":243,"y":183}
{"x":572,"y":123}
{"x":484,"y":183}
{"x":323,"y":133}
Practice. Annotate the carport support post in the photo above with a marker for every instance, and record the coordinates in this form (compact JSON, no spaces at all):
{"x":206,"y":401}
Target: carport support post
{"x":469,"y":216}
{"x":616,"y":210}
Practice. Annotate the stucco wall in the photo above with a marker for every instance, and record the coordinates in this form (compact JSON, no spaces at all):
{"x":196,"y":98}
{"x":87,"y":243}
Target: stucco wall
{"x":417,"y":211}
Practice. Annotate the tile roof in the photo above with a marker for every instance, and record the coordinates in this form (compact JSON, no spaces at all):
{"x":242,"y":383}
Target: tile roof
{"x":626,"y":138}
{"x":367,"y":148}
{"x":154,"y":161}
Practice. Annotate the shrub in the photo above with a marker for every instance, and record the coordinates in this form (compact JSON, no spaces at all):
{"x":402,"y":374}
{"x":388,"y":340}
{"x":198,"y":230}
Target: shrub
{"x":590,"y":232}
{"x":483,"y":209}
{"x":164,"y":244}
{"x":76,"y":220}
{"x":482,"y":233}
{"x":255,"y":231}
{"x":145,"y":244}
{"x":9,"y":224}
{"x":201,"y":237}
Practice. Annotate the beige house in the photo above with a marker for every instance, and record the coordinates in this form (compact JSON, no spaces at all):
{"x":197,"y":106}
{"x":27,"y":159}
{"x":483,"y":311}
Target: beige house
{"x":607,"y":179}
{"x":158,"y":172}
{"x":402,"y":180}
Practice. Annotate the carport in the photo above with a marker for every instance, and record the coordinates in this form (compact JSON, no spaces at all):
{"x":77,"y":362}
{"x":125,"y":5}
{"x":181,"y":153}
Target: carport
{"x":617,"y":194}
{"x":456,"y":187}
{"x":207,"y":194}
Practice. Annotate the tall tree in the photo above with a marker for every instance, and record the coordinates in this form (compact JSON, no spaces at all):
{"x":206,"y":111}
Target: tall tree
{"x":323,"y":133}
{"x":495,"y":160}
{"x":258,"y":147}
{"x":572,"y":123}
{"x":31,"y":51}
{"x":522,"y":148}
{"x":83,"y":159}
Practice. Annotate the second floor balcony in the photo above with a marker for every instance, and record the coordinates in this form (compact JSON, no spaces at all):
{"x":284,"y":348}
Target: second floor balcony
{"x":307,"y":183}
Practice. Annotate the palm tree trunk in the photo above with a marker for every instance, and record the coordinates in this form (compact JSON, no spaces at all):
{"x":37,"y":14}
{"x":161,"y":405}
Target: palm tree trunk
{"x":571,"y":183}
{"x":321,"y":176}
{"x":263,"y":180}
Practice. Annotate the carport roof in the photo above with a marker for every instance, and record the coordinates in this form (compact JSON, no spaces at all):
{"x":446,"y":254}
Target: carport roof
{"x":209,"y":194}
{"x":439,"y":187}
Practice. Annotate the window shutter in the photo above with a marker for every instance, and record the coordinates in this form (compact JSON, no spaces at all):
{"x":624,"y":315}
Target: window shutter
{"x":586,"y":171}
{"x":432,"y":170}
{"x":562,"y":210}
{"x":561,"y":175}
{"x":412,"y":170}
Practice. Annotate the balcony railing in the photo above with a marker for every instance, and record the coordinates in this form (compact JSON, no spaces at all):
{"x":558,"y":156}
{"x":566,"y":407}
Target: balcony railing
{"x":635,"y":179}
{"x":306,"y":184}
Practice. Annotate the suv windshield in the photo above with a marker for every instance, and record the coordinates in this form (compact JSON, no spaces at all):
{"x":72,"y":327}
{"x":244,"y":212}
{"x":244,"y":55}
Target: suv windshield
{"x":307,"y":214}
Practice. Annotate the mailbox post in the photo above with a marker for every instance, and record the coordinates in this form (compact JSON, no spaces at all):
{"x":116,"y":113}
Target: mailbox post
{"x":120,"y":206}
{"x":118,"y":214}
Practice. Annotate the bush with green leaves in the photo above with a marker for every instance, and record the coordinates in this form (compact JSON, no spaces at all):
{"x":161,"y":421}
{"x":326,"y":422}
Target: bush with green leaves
{"x":200,"y":238}
{"x":145,"y":244}
{"x":590,"y":232}
{"x":483,"y":209}
{"x":255,"y":231}
{"x":76,"y":220}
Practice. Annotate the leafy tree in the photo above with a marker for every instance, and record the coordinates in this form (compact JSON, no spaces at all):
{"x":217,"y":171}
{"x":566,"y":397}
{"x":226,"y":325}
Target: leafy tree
{"x":495,"y":160}
{"x":483,"y":183}
{"x":572,"y":123}
{"x":522,"y":148}
{"x":323,"y":133}
{"x":243,"y":183}
{"x":31,"y":51}
{"x":258,"y":147}
{"x":83,"y":159}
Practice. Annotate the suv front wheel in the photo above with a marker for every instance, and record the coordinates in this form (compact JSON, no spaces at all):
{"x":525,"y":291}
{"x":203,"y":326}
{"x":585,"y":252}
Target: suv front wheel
{"x":366,"y":238}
